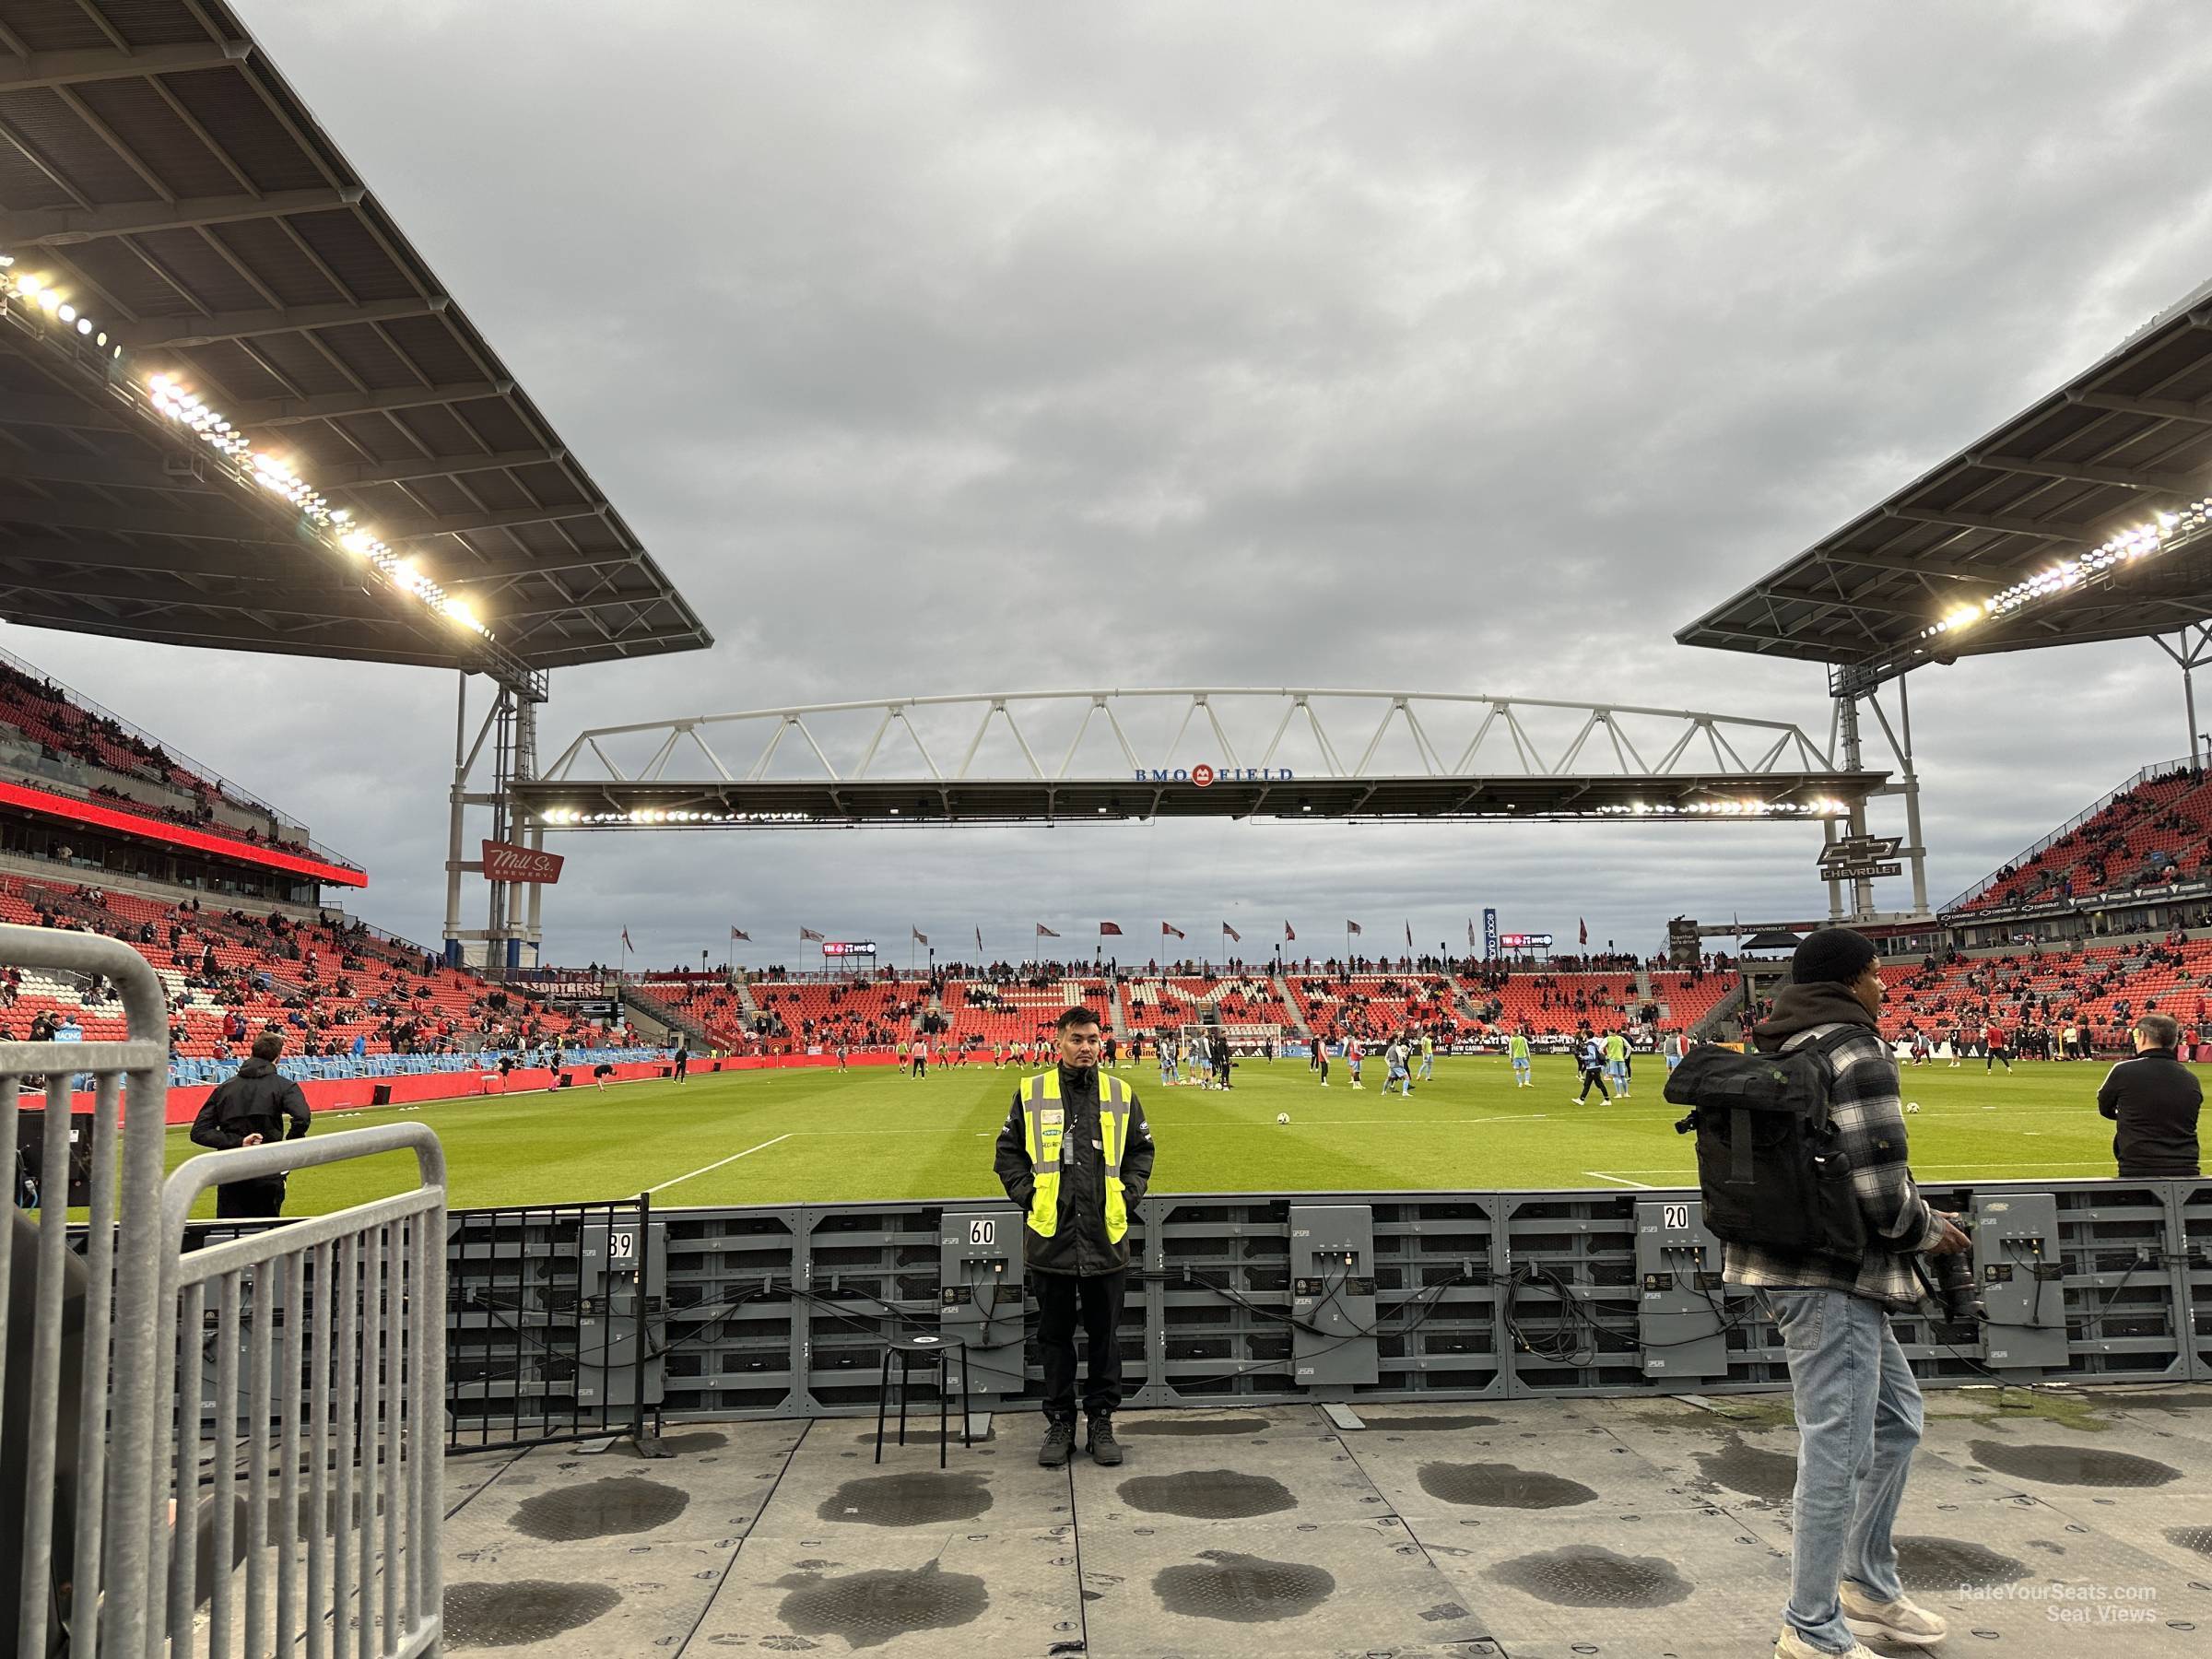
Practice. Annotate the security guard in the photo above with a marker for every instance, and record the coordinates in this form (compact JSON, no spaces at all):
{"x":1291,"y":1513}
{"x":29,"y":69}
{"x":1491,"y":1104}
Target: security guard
{"x":1076,"y":1155}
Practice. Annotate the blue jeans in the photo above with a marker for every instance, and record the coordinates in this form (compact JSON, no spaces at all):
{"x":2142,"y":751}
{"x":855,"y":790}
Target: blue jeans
{"x":1858,"y":1423}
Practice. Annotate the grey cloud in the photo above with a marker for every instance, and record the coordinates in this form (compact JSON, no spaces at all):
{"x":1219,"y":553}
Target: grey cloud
{"x":965,"y":347}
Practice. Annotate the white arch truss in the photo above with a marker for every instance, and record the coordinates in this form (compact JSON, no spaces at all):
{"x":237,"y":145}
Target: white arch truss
{"x":1595,"y":739}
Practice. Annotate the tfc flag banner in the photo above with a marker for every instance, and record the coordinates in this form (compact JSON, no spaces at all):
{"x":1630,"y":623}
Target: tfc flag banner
{"x":1582,"y":928}
{"x":1109,"y":929}
{"x":1045,"y":932}
{"x":1235,"y":937}
{"x":920,"y":937}
{"x":503,"y":861}
{"x":808,"y":933}
{"x":1290,"y":934}
{"x":1169,"y":927}
{"x":740,"y":933}
{"x":1351,"y":927}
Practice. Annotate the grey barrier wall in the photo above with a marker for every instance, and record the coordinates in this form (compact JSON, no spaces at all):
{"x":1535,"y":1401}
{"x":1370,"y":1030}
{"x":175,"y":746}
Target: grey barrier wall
{"x":1250,"y":1298}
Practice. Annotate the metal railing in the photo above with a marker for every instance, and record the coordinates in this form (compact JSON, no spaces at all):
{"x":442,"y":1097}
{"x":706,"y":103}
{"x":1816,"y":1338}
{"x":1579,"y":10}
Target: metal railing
{"x":87,"y":1324}
{"x":350,"y":1310}
{"x":145,"y":1387}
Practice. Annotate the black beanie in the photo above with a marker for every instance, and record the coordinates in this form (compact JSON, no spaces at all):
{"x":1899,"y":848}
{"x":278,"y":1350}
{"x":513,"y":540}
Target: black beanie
{"x":1833,"y":955}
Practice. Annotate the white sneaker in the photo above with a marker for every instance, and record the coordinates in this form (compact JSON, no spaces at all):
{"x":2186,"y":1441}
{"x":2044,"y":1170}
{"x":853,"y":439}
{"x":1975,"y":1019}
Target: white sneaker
{"x":1791,"y":1644}
{"x":1903,"y":1621}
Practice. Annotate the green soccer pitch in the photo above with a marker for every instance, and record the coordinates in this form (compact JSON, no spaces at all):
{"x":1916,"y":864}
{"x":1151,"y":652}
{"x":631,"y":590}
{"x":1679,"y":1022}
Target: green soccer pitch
{"x":813,"y":1136}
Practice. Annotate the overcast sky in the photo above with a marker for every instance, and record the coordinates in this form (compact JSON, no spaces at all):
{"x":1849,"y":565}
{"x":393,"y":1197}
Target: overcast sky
{"x":1420,"y":347}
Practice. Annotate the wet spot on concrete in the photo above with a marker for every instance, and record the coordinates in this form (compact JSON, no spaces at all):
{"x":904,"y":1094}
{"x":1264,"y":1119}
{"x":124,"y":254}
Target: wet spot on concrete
{"x":922,"y":1498}
{"x":868,"y":1609}
{"x":1586,"y":1575}
{"x":601,"y":1509}
{"x":1502,"y":1485}
{"x":2198,"y":1538}
{"x":2152,"y":1402}
{"x":517,"y":1615}
{"x":1207,"y":1494}
{"x":1195,"y":1426}
{"x":1751,"y":1470}
{"x":1953,"y":1564}
{"x":1434,"y":1423}
{"x":2072,"y":1466}
{"x":702,"y":1440}
{"x":1241,"y":1589}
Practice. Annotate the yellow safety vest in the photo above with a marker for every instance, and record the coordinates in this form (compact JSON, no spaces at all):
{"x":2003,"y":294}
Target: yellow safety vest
{"x":1044,"y":1123}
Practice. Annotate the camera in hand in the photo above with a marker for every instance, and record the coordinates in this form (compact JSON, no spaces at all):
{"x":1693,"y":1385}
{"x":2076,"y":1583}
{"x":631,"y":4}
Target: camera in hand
{"x":1950,"y":1281}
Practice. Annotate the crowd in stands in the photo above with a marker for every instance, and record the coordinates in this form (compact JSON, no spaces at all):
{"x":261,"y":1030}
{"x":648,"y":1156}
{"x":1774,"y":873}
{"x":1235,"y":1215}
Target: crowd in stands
{"x":2156,"y":834}
{"x":330,"y":985}
{"x":973,"y":1014}
{"x":46,"y":714}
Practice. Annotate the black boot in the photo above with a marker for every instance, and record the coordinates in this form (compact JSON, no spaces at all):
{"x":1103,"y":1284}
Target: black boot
{"x":1104,"y":1448}
{"x":1059,"y":1445}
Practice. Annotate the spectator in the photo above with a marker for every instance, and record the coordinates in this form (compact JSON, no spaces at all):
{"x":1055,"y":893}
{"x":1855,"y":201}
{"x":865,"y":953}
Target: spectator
{"x":248,"y":1111}
{"x":2153,"y":1100}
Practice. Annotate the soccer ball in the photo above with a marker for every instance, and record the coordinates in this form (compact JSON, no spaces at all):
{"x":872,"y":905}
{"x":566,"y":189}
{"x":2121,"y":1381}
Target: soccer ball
{"x":1282,"y":1117}
{"x":1912,"y":1105}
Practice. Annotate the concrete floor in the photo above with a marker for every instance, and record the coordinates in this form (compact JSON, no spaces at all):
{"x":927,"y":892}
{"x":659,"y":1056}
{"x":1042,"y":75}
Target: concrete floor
{"x":1618,"y":1529}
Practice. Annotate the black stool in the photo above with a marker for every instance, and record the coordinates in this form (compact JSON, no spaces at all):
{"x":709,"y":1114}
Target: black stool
{"x":923,"y":1350}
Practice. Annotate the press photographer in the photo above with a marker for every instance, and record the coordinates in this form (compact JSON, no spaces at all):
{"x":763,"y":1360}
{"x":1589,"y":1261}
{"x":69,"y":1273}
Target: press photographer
{"x":1802,"y":1161}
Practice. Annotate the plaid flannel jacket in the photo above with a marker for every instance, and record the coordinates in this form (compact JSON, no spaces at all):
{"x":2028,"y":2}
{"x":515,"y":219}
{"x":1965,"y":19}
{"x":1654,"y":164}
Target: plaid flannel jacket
{"x":1870,"y":1124}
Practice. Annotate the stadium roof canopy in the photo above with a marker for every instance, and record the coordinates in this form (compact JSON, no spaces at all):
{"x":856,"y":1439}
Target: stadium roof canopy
{"x":378,"y":477}
{"x":2083,"y":517}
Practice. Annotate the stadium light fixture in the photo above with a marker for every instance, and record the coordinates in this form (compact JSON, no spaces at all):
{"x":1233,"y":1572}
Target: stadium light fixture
{"x":190,"y":410}
{"x":2125,"y":546}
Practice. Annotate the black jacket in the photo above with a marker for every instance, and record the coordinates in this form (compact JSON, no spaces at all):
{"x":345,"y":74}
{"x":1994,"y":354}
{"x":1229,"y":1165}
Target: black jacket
{"x":2154,"y":1098}
{"x":1080,"y":1245}
{"x":255,"y":1102}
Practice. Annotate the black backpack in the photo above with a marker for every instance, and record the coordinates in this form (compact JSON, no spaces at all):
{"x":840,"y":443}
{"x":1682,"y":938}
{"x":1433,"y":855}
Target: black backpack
{"x":1770,"y":1163}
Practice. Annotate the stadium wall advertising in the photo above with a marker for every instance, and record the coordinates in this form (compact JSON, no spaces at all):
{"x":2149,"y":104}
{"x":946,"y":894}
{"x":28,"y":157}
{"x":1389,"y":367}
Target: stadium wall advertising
{"x":503,"y":861}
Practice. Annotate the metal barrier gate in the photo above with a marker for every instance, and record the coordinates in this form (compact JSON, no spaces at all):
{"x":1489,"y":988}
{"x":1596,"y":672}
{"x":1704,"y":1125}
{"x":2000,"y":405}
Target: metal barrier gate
{"x":124,"y":1412}
{"x":350,"y":1308}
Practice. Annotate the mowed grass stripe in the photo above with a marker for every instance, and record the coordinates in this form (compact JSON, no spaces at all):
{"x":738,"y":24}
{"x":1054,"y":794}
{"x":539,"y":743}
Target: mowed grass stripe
{"x":874,"y":1134}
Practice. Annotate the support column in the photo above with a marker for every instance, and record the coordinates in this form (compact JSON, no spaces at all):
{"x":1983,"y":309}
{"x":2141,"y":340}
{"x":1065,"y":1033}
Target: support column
{"x":1916,"y":849}
{"x":1847,"y":716}
{"x":454,"y":827}
{"x":2196,"y":650}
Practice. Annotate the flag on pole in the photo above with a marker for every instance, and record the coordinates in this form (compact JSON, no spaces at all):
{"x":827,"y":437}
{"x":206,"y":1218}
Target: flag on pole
{"x":1234,"y":935}
{"x":808,"y":933}
{"x":1409,"y":933}
{"x":920,"y":937}
{"x":1169,"y":927}
{"x":979,"y":941}
{"x":1471,"y":946}
{"x":740,"y":933}
{"x":1045,"y":932}
{"x":1584,"y":927}
{"x":1351,"y":927}
{"x":1109,"y":929}
{"x":1290,"y":934}
{"x":626,"y":944}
